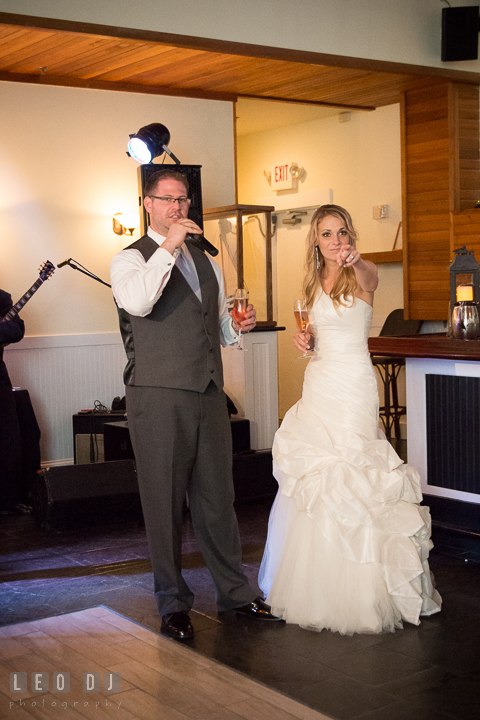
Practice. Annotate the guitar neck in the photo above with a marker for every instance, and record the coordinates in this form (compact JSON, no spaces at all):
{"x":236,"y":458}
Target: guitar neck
{"x":23,"y":300}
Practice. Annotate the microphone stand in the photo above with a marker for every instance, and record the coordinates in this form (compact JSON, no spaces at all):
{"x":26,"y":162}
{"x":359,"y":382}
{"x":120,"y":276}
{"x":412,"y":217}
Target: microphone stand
{"x":82,"y":270}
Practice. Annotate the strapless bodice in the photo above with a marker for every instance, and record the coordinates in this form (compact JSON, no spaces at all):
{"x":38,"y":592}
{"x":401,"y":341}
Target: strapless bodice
{"x":341,"y":330}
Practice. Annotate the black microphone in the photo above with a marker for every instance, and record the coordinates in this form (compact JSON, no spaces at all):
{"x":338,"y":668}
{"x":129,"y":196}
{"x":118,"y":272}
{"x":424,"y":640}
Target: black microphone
{"x":201,"y":242}
{"x":65,"y":262}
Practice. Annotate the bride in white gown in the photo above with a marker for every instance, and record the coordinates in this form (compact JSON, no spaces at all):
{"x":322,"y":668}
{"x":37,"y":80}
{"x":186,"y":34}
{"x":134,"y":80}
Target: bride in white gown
{"x":348,"y":542}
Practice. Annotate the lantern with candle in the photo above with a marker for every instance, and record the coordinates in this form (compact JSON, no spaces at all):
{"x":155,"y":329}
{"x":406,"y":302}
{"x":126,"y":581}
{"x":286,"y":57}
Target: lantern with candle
{"x":464,"y":295}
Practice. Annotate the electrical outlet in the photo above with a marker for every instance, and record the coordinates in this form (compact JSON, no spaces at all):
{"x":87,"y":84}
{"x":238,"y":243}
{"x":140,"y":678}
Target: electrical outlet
{"x":380,"y":212}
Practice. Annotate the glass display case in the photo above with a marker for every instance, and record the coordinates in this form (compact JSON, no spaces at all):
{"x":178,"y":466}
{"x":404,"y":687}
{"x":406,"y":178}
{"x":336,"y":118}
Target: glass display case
{"x":243,"y":236}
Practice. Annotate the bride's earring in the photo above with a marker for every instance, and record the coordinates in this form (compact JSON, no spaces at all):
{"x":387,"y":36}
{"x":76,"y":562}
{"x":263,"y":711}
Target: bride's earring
{"x":317,"y":257}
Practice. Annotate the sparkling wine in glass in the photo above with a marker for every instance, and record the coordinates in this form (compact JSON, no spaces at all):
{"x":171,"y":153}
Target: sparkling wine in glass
{"x":300,"y":312}
{"x":240,"y":304}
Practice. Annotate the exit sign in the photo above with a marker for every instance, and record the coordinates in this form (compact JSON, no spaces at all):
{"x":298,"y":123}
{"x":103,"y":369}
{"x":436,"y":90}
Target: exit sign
{"x":282,"y":178}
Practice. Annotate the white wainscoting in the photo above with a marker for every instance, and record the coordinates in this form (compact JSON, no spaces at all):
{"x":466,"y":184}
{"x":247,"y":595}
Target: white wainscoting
{"x":251,"y":380}
{"x":64,"y":374}
{"x":67,"y":373}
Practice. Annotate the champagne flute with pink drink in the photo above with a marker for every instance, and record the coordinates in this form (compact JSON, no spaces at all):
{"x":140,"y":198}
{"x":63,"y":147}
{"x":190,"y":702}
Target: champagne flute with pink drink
{"x":300,"y":312}
{"x":240,"y":304}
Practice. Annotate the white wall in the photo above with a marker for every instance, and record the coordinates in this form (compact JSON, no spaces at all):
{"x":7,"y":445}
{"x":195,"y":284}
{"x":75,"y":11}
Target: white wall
{"x":64,"y":374}
{"x":63,"y":173}
{"x":407,"y":32}
{"x":359,"y":161}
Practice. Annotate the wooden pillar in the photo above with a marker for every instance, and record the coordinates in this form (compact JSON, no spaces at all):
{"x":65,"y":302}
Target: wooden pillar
{"x":441,"y":185}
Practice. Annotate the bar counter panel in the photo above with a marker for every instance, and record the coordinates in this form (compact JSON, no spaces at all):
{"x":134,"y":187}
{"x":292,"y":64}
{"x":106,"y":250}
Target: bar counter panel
{"x":428,"y":358}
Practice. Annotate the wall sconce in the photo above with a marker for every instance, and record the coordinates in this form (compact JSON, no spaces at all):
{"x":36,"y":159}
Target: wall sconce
{"x":125,"y":224}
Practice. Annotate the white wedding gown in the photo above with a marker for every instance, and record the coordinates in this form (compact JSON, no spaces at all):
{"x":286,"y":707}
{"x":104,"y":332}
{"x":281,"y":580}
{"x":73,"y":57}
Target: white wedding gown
{"x":348,"y":542}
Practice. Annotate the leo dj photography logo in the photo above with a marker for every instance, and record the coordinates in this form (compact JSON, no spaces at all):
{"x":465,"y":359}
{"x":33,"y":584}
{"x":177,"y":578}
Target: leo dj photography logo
{"x":59,"y":682}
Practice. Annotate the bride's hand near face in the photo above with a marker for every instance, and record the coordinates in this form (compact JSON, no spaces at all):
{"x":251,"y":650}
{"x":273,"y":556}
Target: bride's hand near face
{"x":366,"y":271}
{"x":347,"y":256}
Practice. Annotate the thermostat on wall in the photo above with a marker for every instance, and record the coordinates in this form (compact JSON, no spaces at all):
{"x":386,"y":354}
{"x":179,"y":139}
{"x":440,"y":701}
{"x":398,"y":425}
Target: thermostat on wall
{"x":380,"y":211}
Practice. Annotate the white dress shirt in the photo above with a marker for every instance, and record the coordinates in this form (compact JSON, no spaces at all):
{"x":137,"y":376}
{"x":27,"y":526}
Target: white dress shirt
{"x":137,"y":285}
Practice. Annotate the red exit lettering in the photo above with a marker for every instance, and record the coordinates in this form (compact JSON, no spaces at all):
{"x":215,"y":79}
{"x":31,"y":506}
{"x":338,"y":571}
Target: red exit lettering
{"x":280,"y":172}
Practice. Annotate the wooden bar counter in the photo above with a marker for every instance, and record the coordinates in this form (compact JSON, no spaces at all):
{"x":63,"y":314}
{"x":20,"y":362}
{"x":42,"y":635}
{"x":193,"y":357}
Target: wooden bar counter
{"x":426,"y":346}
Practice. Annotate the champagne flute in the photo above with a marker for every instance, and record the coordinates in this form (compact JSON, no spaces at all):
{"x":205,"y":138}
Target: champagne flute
{"x":240,"y":304}
{"x":300,"y":312}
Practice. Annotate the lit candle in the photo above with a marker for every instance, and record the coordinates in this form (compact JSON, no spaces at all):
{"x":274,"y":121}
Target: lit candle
{"x":464,"y":293}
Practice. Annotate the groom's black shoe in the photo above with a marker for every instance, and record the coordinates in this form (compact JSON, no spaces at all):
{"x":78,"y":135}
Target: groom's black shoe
{"x":257,"y":609}
{"x":177,"y":625}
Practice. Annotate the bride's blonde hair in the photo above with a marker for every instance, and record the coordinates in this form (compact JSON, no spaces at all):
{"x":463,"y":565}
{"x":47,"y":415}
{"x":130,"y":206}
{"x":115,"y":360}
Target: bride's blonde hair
{"x":346,"y":284}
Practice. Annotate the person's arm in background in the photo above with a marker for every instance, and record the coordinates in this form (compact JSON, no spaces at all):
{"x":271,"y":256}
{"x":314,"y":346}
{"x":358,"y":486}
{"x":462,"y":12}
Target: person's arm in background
{"x":11,"y":331}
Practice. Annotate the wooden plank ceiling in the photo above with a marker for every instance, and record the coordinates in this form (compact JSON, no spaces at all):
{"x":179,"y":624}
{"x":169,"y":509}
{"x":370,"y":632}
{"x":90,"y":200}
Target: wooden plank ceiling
{"x":60,"y":57}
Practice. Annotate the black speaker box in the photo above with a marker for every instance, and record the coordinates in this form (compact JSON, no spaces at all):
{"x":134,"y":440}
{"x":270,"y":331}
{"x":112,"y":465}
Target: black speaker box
{"x":90,"y":424}
{"x":92,"y":494}
{"x":252,"y":469}
{"x":240,"y":434}
{"x":252,"y":475}
{"x":117,"y":444}
{"x":460,"y":27}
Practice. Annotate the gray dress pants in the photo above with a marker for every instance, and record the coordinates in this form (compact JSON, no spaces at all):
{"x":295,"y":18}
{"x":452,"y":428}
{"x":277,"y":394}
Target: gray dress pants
{"x":182,"y":443}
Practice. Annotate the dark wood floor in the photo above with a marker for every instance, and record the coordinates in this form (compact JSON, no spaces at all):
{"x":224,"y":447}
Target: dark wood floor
{"x":428,"y":672}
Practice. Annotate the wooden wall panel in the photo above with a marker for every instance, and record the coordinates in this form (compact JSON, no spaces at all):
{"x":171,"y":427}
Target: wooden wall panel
{"x":467,"y":230}
{"x":467,"y":163}
{"x":441,"y":179}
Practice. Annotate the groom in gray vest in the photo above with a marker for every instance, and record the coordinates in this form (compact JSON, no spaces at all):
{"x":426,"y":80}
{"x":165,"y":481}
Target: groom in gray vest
{"x":173,"y":319}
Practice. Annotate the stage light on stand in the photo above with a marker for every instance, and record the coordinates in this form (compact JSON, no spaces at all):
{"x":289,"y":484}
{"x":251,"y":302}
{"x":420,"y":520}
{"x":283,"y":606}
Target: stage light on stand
{"x":139,"y":151}
{"x":150,"y":142}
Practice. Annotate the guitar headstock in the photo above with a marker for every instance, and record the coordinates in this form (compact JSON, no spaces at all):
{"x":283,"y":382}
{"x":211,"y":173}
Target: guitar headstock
{"x":46,"y":269}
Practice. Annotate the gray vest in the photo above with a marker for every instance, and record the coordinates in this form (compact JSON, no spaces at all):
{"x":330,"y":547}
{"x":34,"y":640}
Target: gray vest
{"x":178,"y":344}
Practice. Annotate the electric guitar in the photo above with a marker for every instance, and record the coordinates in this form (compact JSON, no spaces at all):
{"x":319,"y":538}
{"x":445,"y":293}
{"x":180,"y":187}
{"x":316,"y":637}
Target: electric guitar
{"x":46,"y":270}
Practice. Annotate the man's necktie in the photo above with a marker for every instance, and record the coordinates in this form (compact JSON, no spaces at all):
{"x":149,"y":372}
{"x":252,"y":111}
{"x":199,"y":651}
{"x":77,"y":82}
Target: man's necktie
{"x":188,"y":270}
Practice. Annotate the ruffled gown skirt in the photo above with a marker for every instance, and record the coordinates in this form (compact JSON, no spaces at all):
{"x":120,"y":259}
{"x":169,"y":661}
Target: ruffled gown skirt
{"x":348,"y":542}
